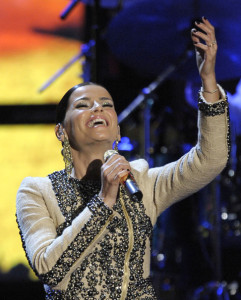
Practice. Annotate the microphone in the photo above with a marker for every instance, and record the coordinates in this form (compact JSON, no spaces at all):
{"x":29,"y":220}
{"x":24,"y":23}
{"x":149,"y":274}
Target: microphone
{"x":128,"y":181}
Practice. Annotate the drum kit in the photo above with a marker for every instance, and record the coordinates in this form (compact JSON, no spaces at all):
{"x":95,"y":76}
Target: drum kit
{"x":152,"y":37}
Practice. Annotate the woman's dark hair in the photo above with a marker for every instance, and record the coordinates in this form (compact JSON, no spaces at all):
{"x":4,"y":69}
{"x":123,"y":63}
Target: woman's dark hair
{"x":63,"y":103}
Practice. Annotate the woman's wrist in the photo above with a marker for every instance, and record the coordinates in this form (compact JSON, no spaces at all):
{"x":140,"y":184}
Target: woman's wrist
{"x":109,"y":202}
{"x":210,"y":90}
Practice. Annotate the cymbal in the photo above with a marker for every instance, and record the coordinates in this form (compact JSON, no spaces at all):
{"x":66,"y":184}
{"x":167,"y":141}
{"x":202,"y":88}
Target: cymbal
{"x":149,"y":35}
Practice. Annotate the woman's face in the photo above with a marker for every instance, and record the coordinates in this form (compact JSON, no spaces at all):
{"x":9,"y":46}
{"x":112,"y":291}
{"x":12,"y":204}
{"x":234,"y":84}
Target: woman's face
{"x":91,"y":117}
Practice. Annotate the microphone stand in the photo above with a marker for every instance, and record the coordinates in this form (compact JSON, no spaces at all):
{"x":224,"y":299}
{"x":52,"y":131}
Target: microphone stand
{"x":85,"y":51}
{"x":68,"y":9}
{"x":96,"y":38}
{"x":89,"y":50}
{"x":146,"y":97}
{"x":94,"y":66}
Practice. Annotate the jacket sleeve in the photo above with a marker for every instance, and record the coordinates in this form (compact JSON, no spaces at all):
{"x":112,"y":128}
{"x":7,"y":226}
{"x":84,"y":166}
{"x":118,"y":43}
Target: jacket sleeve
{"x":165,"y":185}
{"x":51,"y":256}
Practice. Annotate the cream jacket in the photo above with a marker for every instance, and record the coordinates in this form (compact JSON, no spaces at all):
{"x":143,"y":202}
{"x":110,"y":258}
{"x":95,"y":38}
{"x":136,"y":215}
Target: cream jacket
{"x":39,"y":216}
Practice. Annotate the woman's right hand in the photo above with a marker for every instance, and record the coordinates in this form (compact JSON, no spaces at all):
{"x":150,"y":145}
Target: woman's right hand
{"x":115,"y":168}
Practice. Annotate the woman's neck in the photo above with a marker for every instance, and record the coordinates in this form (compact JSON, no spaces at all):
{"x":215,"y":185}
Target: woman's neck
{"x":87,"y":164}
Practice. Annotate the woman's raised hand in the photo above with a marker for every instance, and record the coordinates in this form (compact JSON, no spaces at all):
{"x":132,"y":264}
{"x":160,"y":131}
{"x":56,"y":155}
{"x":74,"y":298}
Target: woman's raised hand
{"x":206,"y":48}
{"x":205,"y":43}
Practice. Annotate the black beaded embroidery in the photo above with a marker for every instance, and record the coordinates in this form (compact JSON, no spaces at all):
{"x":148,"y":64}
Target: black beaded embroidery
{"x":70,"y":191}
{"x":72,"y":195}
{"x":24,"y":246}
{"x":104,"y":268}
{"x":215,"y":109}
{"x":212,"y":109}
{"x":101,"y":273}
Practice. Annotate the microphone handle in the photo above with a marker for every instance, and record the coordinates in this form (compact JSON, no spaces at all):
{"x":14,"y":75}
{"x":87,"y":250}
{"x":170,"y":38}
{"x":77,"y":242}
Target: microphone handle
{"x":132,"y":188}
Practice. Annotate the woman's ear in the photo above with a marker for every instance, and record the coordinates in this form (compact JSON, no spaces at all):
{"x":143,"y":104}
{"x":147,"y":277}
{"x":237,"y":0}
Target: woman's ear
{"x":59,"y":132}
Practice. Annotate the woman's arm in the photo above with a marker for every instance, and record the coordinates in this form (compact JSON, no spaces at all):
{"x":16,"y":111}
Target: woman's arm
{"x":199,"y":166}
{"x":53,"y":256}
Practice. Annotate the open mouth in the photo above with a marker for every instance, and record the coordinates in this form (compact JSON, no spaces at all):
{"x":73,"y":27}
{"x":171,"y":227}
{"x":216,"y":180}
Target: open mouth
{"x":97,"y":122}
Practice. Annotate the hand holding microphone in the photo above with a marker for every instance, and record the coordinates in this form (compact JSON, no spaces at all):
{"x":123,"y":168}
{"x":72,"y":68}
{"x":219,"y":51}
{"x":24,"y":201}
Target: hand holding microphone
{"x":126,"y":180}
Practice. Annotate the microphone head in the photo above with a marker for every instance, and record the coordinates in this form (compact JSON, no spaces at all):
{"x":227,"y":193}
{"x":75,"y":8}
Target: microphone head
{"x":109,"y":153}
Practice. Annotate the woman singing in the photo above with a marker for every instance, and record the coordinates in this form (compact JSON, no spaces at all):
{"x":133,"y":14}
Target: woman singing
{"x":84,"y":235}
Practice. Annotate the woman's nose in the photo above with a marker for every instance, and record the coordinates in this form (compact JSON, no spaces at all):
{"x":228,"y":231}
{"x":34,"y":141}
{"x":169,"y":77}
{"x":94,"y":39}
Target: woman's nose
{"x":97,"y":106}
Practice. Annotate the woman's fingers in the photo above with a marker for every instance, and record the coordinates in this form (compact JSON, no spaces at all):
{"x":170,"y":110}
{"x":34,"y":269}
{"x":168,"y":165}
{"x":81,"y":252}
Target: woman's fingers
{"x":112,"y":171}
{"x":208,"y":36}
{"x":115,"y":168}
{"x":204,"y":40}
{"x":121,"y":175}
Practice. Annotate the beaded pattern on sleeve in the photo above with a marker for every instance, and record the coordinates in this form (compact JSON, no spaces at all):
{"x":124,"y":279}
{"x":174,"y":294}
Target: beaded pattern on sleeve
{"x":218,"y":108}
{"x":96,"y":203}
{"x":213,"y":109}
{"x":24,"y":246}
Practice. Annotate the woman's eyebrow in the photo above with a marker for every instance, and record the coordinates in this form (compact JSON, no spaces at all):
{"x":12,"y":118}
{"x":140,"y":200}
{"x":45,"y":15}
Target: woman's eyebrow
{"x":105,"y":98}
{"x":88,"y":99}
{"x":82,"y":98}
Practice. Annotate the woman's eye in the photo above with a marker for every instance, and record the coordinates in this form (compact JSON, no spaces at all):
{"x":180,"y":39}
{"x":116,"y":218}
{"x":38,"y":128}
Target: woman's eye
{"x":108,"y":104}
{"x":81,"y":105}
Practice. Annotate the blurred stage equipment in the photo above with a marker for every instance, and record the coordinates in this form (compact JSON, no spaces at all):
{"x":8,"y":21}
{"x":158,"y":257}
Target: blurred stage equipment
{"x":146,"y":97}
{"x":149,"y":35}
{"x":213,"y":291}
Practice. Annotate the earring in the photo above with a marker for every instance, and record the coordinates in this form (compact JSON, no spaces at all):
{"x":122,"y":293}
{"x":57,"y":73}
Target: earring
{"x":67,"y":156}
{"x":116,"y":145}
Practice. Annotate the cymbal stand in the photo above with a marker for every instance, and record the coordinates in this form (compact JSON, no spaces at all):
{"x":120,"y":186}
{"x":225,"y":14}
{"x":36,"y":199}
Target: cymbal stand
{"x":95,"y":36}
{"x":147,"y":128}
{"x":215,"y":287}
{"x":216,"y":234}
